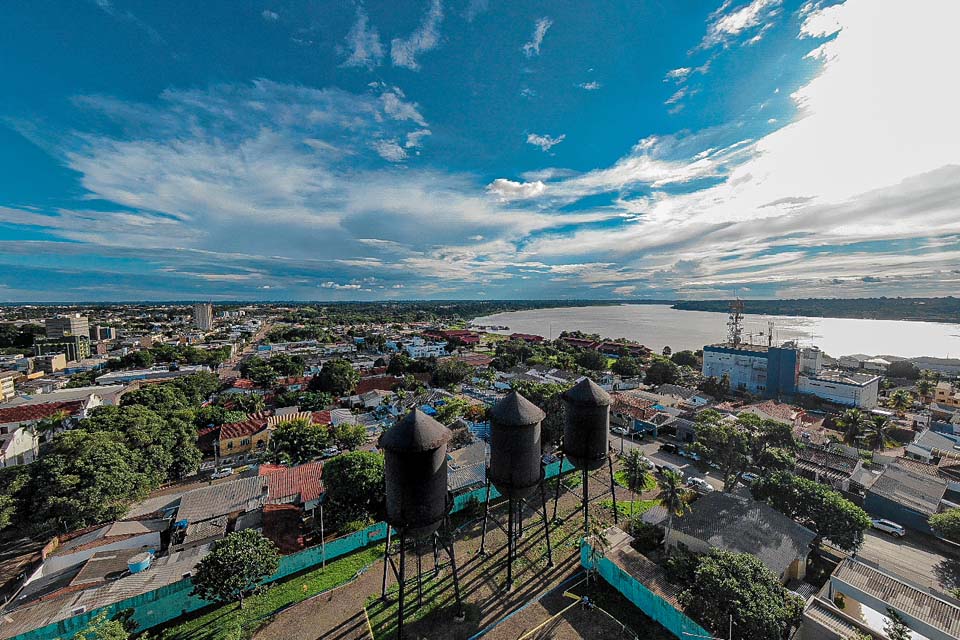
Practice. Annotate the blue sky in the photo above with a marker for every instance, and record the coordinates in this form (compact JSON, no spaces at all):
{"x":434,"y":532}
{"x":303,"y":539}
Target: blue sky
{"x":262,"y":149}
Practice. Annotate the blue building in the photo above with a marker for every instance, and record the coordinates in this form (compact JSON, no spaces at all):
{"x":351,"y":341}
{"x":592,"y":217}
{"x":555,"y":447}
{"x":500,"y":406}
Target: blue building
{"x":906,"y":497}
{"x":765,"y":371}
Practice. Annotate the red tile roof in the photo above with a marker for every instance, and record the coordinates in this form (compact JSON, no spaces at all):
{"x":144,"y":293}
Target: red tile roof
{"x":322,"y":417}
{"x":243,"y":383}
{"x":383,"y":383}
{"x":255,"y":423}
{"x":305,"y":481}
{"x":633,"y":406}
{"x":36,"y":412}
{"x":293,"y":380}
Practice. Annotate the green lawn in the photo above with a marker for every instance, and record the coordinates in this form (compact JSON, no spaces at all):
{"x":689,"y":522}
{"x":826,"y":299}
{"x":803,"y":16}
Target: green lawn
{"x":383,"y":614}
{"x":620,"y":477}
{"x":229,"y":622}
{"x":624,"y":508}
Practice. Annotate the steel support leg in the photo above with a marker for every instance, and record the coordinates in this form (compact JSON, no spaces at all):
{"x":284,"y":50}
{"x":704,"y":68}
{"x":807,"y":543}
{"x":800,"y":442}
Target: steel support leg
{"x":613,"y":490}
{"x":402,"y":576}
{"x":546,"y":524}
{"x":386,"y":560}
{"x":586,"y":500}
{"x":486,"y":514}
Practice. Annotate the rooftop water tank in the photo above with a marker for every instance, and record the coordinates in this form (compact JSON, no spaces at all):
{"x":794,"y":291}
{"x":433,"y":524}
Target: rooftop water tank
{"x":515,"y":451}
{"x":586,"y":430}
{"x":415,"y":466}
{"x":140,"y":562}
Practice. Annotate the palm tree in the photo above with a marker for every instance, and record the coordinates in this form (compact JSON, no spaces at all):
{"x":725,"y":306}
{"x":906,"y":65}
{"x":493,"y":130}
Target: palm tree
{"x":925,"y":387}
{"x":852,"y":422}
{"x":877,"y":433}
{"x":901,"y":400}
{"x":671,"y":497}
{"x":637,"y":473}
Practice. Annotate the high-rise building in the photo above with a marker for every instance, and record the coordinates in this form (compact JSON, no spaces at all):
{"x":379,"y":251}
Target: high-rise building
{"x":203,"y":316}
{"x":71,"y":325}
{"x":100,"y":332}
{"x":74,"y":347}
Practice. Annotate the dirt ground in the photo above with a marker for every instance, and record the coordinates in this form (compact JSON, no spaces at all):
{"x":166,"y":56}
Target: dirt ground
{"x":350,"y":613}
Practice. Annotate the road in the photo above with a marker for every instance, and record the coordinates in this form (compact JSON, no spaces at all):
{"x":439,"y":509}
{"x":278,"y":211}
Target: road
{"x":921,"y":559}
{"x":229,"y":368}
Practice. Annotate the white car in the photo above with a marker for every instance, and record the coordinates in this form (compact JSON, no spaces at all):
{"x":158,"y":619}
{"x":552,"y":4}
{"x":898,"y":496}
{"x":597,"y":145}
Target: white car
{"x":620,"y":431}
{"x":226,"y":472}
{"x":888,"y":526}
{"x":700,"y":485}
{"x":329,"y":452}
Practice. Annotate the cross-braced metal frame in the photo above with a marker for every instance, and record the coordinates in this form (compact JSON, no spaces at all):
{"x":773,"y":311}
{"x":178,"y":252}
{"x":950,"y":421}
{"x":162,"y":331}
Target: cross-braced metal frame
{"x":584,"y":494}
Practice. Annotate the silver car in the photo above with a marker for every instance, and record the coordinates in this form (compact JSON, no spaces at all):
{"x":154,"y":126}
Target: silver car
{"x":888,"y":526}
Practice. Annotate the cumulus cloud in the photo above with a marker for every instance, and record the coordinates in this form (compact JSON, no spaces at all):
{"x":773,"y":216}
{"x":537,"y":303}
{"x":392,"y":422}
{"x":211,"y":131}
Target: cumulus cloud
{"x":545,"y":142}
{"x":338,"y":287}
{"x":363,"y":43}
{"x":390,"y":150}
{"x":532,"y":48}
{"x":511,"y":190}
{"x":404,"y":51}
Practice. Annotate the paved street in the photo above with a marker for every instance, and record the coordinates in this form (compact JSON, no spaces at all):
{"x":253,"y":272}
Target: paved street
{"x":651,"y":449}
{"x":921,"y":559}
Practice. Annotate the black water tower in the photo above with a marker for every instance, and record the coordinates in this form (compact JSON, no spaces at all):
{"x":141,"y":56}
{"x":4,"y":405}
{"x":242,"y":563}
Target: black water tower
{"x":515,"y":456}
{"x":587,"y":428}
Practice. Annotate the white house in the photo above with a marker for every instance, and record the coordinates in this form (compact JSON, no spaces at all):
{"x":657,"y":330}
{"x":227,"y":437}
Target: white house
{"x":850,"y":389}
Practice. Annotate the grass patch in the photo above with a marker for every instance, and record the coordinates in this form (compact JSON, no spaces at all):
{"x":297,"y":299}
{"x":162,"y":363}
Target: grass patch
{"x":229,"y":622}
{"x":649,"y":484}
{"x":639,"y":507}
{"x":437,"y":595}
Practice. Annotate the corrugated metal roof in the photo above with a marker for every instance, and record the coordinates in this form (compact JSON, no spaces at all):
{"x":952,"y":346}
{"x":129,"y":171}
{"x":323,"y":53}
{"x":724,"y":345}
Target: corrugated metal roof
{"x":221,"y":499}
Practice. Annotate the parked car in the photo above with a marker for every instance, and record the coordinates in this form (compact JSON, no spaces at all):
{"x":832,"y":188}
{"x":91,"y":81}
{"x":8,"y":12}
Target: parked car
{"x":669,"y":447}
{"x":621,"y":431}
{"x":700,"y":485}
{"x":226,"y":472}
{"x":689,"y":454}
{"x":672,"y":467}
{"x":749,"y":478}
{"x":329,"y":452}
{"x":888,"y":526}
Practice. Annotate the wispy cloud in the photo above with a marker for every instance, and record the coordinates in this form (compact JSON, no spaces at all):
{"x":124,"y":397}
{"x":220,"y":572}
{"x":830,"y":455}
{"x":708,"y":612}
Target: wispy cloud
{"x":593,"y":85}
{"x":363,"y":43}
{"x":269,"y":16}
{"x":545,"y":142}
{"x":728,"y":23}
{"x":532,"y":48}
{"x":475,"y":8}
{"x":404,"y":51}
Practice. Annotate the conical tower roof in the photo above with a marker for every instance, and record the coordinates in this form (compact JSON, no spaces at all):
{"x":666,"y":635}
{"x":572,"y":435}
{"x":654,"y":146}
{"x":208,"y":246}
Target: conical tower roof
{"x":516,"y":411}
{"x":587,"y":392}
{"x":416,"y":432}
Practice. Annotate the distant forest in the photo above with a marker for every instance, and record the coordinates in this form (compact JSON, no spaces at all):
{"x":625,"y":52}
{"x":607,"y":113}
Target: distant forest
{"x":923,"y":309}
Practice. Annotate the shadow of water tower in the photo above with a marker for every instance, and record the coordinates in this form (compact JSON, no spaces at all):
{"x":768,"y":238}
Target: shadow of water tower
{"x":418,"y":504}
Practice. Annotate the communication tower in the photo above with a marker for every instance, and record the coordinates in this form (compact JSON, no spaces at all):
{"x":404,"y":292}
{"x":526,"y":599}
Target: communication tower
{"x":735,"y":323}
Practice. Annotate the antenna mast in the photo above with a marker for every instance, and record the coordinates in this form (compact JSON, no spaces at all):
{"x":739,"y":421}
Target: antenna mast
{"x":735,"y":323}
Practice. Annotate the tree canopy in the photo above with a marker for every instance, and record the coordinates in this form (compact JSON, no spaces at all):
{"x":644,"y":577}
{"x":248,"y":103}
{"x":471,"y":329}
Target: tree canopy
{"x":685,"y":358}
{"x":235,"y":567}
{"x":355,"y":486}
{"x":297,"y":441}
{"x":736,"y":446}
{"x":338,"y":377}
{"x":627,"y":366}
{"x":947,"y":524}
{"x":548,"y":398}
{"x":451,"y":371}
{"x":662,"y":371}
{"x":729,"y":584}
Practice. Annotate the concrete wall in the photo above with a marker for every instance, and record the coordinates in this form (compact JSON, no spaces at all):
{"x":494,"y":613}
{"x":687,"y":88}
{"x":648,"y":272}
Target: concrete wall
{"x":880,"y":507}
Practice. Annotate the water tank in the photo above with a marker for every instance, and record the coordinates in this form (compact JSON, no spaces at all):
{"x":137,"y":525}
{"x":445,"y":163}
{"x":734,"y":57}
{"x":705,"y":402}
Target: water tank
{"x":515,"y":446}
{"x":140,"y":562}
{"x":587,"y":427}
{"x":415,"y":466}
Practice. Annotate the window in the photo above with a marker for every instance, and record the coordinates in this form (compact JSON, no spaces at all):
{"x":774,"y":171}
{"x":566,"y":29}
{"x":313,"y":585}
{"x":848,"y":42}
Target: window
{"x":245,"y":442}
{"x":230,"y":445}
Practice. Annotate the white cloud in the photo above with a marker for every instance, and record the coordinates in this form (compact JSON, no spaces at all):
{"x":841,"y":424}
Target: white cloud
{"x":414,"y":138}
{"x":338,"y":287}
{"x":270,"y":16}
{"x":532,"y":48}
{"x":593,"y":85}
{"x":397,"y":107}
{"x":678,"y":74}
{"x":726,"y":25}
{"x":626,"y":290}
{"x":404,"y":51}
{"x":677,"y":96}
{"x":545,"y":142}
{"x":363,"y":43}
{"x":390,"y":150}
{"x":510,"y":190}
{"x":475,"y":8}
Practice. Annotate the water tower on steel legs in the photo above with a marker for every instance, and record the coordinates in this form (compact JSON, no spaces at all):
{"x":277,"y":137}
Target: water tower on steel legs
{"x":415,"y":467}
{"x":516,"y":470}
{"x":586,"y":434}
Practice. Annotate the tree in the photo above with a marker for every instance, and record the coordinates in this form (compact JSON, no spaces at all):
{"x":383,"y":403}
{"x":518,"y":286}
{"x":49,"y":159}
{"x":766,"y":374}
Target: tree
{"x":947,"y":524}
{"x":103,"y":628}
{"x":896,"y":627}
{"x":925,"y":387}
{"x":877,"y":433}
{"x":685,"y":359}
{"x":262,"y":374}
{"x":814,"y":505}
{"x":672,"y":493}
{"x":734,"y":447}
{"x":901,"y":400}
{"x":662,"y":372}
{"x":548,"y":398}
{"x":667,"y":351}
{"x":246,"y":402}
{"x":399,"y":364}
{"x":338,"y":377}
{"x":287,"y":365}
{"x":716,"y":387}
{"x":349,"y":436}
{"x":637,"y":473}
{"x":852,"y":422}
{"x":162,"y":399}
{"x":235,"y":567}
{"x":903,"y":369}
{"x":738,"y":587}
{"x":297,"y":441}
{"x":627,"y":367}
{"x":355,"y":486}
{"x":592,"y":360}
{"x":450,"y":372}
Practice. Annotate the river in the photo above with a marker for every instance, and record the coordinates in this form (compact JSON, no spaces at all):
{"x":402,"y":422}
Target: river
{"x":657,"y":326}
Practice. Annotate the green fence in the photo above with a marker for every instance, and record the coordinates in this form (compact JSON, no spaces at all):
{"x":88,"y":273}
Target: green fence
{"x":174,"y":600}
{"x":672,"y":619}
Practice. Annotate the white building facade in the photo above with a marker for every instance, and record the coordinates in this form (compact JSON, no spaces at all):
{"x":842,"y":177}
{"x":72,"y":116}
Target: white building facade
{"x":849,"y":389}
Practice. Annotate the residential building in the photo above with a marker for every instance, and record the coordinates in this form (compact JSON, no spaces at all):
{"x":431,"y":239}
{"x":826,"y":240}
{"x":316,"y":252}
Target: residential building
{"x":811,"y":360}
{"x":301,"y":485}
{"x":63,"y":326}
{"x":51,"y":363}
{"x":906,"y":497}
{"x":849,"y":389}
{"x":419,"y":348}
{"x":828,"y":466}
{"x":7,"y":388}
{"x":757,"y":369}
{"x":871,"y":591}
{"x":100,"y":332}
{"x":155,"y":373}
{"x":203,"y":316}
{"x":743,"y":525}
{"x":74,"y":347}
{"x":946,"y":394}
{"x":929,"y":445}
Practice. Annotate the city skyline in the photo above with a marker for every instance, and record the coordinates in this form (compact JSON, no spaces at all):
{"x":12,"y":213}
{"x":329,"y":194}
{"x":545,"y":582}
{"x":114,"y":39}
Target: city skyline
{"x":278,"y":151}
